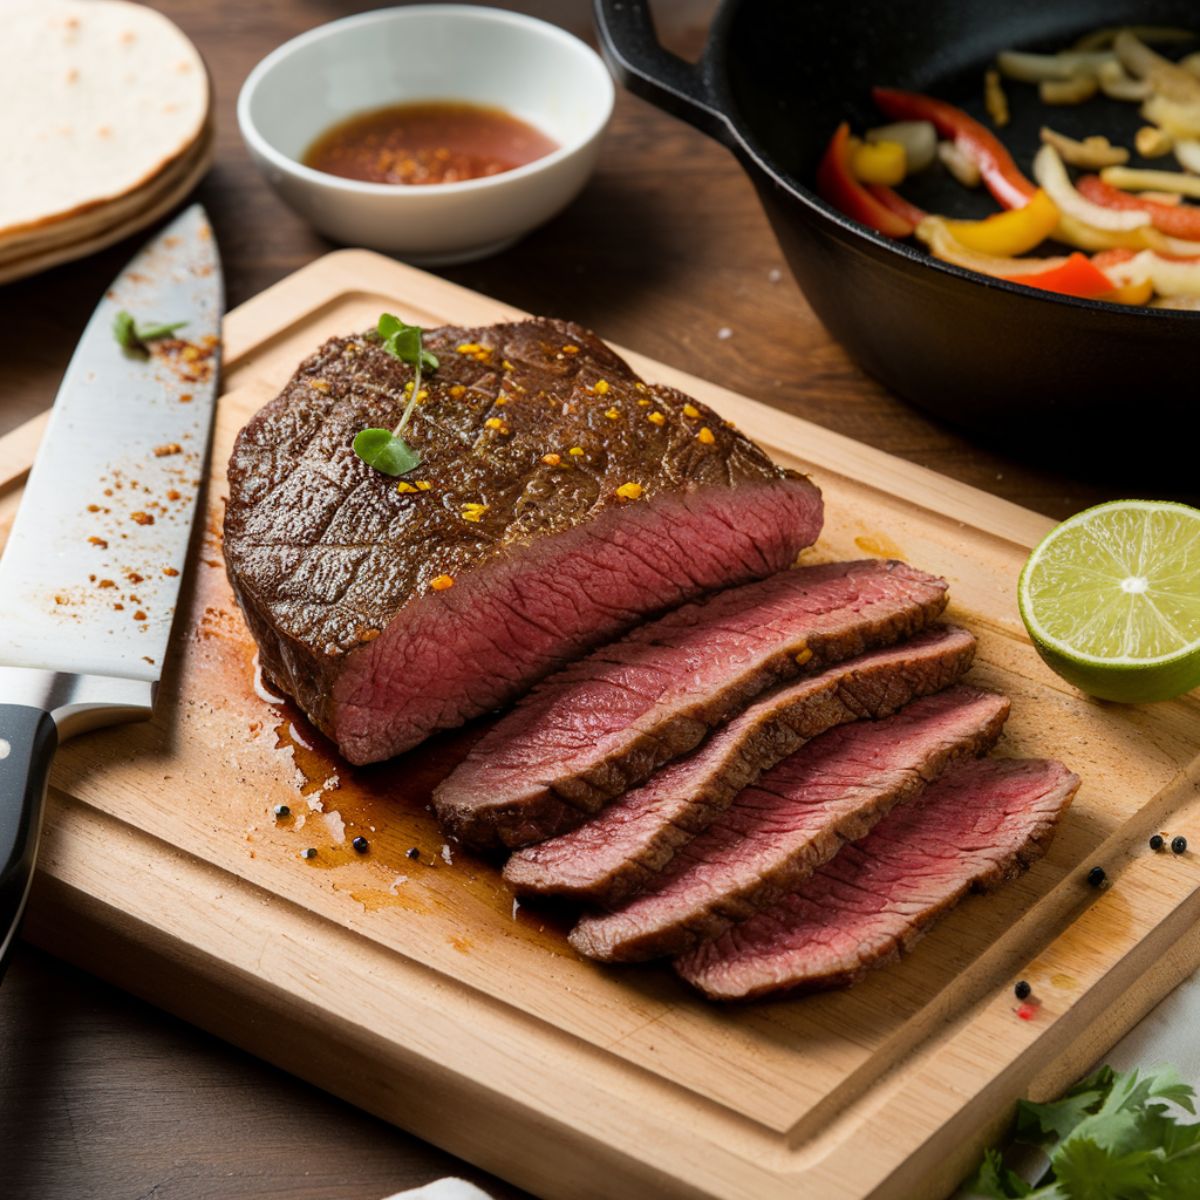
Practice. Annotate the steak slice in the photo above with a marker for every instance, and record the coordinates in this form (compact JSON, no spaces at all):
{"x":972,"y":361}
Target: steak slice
{"x":604,"y":724}
{"x":980,"y":824}
{"x":776,"y":833}
{"x":526,"y":434}
{"x":622,"y":850}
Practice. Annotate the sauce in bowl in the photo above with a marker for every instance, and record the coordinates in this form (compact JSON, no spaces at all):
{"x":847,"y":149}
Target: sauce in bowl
{"x":429,"y":142}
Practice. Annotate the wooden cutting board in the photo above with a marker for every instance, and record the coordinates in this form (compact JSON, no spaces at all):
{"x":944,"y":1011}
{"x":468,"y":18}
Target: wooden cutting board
{"x":415,"y":988}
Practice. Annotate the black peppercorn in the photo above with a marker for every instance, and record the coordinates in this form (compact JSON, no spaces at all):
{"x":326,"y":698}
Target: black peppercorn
{"x":281,"y":811}
{"x":361,"y":845}
{"x":1096,"y":876}
{"x":1156,"y":842}
{"x":413,"y":853}
{"x":1178,"y":845}
{"x":1023,"y":990}
{"x":310,"y":853}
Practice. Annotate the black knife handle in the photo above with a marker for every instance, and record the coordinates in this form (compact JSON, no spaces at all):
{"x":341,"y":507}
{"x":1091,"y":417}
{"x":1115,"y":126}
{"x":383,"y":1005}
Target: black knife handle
{"x":28,"y":739}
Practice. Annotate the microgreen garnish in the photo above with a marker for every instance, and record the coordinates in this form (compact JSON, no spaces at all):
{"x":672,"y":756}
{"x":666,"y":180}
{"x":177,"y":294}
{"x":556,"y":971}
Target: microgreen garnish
{"x":132,"y":337}
{"x":1111,"y":1136}
{"x":385,"y":449}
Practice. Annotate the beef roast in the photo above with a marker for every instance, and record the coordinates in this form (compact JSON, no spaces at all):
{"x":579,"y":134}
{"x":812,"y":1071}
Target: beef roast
{"x":979,"y":824}
{"x":798,"y":815}
{"x":588,"y":733}
{"x":559,"y":500}
{"x":620,"y":851}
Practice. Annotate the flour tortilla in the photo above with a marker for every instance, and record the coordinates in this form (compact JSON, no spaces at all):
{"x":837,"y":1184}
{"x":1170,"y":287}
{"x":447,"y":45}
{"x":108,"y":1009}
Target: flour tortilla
{"x":86,"y":225}
{"x":157,"y":205}
{"x":96,"y":98}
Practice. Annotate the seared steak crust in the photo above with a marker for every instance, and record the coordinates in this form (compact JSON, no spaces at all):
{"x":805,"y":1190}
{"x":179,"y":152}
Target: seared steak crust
{"x":538,"y":424}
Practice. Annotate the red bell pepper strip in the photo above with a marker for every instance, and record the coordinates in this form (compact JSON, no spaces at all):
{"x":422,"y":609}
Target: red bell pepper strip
{"x":1002,"y":176}
{"x":891,"y":199}
{"x":1175,"y":220}
{"x":837,"y":185}
{"x":1078,"y":276}
{"x":1111,"y":258}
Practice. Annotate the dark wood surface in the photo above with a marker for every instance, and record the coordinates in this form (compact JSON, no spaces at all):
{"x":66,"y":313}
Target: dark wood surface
{"x":102,"y":1097}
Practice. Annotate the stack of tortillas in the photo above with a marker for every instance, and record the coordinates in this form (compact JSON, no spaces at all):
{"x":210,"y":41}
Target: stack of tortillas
{"x":104,"y":126}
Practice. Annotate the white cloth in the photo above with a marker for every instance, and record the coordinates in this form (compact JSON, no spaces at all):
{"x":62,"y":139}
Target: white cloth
{"x":1166,"y":1035}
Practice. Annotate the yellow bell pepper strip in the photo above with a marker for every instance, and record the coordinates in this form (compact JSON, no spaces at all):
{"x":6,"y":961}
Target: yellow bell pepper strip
{"x":879,"y":162}
{"x":934,"y":233}
{"x":1130,"y":293}
{"x":1078,"y":276}
{"x":1009,"y":233}
{"x":1002,"y":176}
{"x":837,"y":185}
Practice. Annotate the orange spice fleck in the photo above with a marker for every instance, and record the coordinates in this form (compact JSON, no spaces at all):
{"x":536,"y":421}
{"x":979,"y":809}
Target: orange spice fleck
{"x":172,"y":494}
{"x":93,"y":508}
{"x":501,"y":400}
{"x":656,"y":418}
{"x":171,"y":572}
{"x":690,"y":410}
{"x":98,"y":541}
{"x":106,"y":583}
{"x":630,"y":491}
{"x":165,"y":451}
{"x":613,"y":414}
{"x":139,"y":615}
{"x":405,"y":488}
{"x":319,"y":385}
{"x":441,"y":582}
{"x":600,"y":387}
{"x":576,"y":451}
{"x":458,"y":391}
{"x":552,"y":460}
{"x":570,"y":349}
{"x":423,"y":485}
{"x":142,"y":518}
{"x":643,"y":403}
{"x":705,"y":436}
{"x":496,"y":424}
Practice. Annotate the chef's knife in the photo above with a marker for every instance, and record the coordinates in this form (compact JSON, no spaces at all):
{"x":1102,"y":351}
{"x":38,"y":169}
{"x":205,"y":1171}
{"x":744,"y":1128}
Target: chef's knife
{"x":91,"y":572}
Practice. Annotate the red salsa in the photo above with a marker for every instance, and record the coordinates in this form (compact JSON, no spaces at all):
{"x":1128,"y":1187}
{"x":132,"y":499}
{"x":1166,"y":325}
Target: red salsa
{"x":434,"y":142}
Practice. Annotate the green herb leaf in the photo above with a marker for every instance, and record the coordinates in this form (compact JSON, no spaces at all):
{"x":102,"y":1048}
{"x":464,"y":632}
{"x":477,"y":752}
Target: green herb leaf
{"x":404,"y":342}
{"x":132,"y":337}
{"x":151,"y":333}
{"x":389,"y":452}
{"x":996,"y":1181}
{"x":386,"y":452}
{"x":1086,"y":1171}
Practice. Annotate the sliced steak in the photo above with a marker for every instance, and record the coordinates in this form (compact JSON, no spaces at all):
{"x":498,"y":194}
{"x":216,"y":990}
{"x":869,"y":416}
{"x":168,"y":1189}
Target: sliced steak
{"x":516,"y":545}
{"x":777,"y":832}
{"x":607,"y":722}
{"x":978,"y":825}
{"x":623,"y":849}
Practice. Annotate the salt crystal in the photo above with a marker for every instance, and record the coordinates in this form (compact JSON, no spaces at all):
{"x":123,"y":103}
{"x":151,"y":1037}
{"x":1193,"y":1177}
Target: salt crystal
{"x":400,"y":879}
{"x":447,"y":857}
{"x":336,"y":826}
{"x":724,"y":333}
{"x":774,"y":274}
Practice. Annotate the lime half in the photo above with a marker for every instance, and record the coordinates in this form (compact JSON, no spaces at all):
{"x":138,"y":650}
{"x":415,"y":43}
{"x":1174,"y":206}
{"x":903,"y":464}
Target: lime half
{"x":1111,"y":599}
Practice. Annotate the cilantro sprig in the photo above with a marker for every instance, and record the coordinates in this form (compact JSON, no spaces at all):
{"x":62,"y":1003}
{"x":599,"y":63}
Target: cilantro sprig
{"x":132,"y":337}
{"x":1113,"y":1136}
{"x":385,"y":449}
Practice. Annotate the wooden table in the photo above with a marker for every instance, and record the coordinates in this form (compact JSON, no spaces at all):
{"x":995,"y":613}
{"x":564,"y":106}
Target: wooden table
{"x":101,"y":1096}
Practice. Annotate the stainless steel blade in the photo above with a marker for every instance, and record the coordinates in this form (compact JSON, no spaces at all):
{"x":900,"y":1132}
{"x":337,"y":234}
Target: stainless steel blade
{"x":91,"y":572}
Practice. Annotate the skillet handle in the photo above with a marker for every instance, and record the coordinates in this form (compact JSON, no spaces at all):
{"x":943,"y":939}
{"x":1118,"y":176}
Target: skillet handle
{"x":631,"y":48}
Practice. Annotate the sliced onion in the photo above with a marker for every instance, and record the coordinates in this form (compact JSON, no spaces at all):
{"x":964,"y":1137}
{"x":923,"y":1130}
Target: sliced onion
{"x":1166,"y":78}
{"x":1180,"y":120}
{"x":944,"y":245}
{"x":1169,"y":278}
{"x":1185,"y":303}
{"x":1092,"y":153}
{"x":919,"y":139}
{"x":1187,"y":153}
{"x":1038,"y":68}
{"x":1132,"y":179}
{"x":1049,"y":171}
{"x":1115,"y":84}
{"x":962,"y":166}
{"x":1101,"y":39}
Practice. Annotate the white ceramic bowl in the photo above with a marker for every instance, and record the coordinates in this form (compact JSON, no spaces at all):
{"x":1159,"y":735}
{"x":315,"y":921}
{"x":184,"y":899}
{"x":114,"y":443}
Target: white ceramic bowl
{"x":428,"y":52}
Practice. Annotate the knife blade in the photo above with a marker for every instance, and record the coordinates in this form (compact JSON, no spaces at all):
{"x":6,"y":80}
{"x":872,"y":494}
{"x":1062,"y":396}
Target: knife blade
{"x":90,"y":576}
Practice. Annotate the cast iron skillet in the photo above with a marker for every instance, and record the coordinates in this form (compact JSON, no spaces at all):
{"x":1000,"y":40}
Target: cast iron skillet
{"x":1036,"y":372}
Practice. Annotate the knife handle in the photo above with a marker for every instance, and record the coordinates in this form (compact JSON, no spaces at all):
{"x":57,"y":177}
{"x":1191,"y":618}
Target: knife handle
{"x":28,"y":740}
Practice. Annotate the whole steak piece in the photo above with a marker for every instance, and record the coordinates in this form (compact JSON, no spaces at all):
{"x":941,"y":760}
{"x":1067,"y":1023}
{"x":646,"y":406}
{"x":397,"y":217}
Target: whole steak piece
{"x":980,"y":824}
{"x":560,"y":500}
